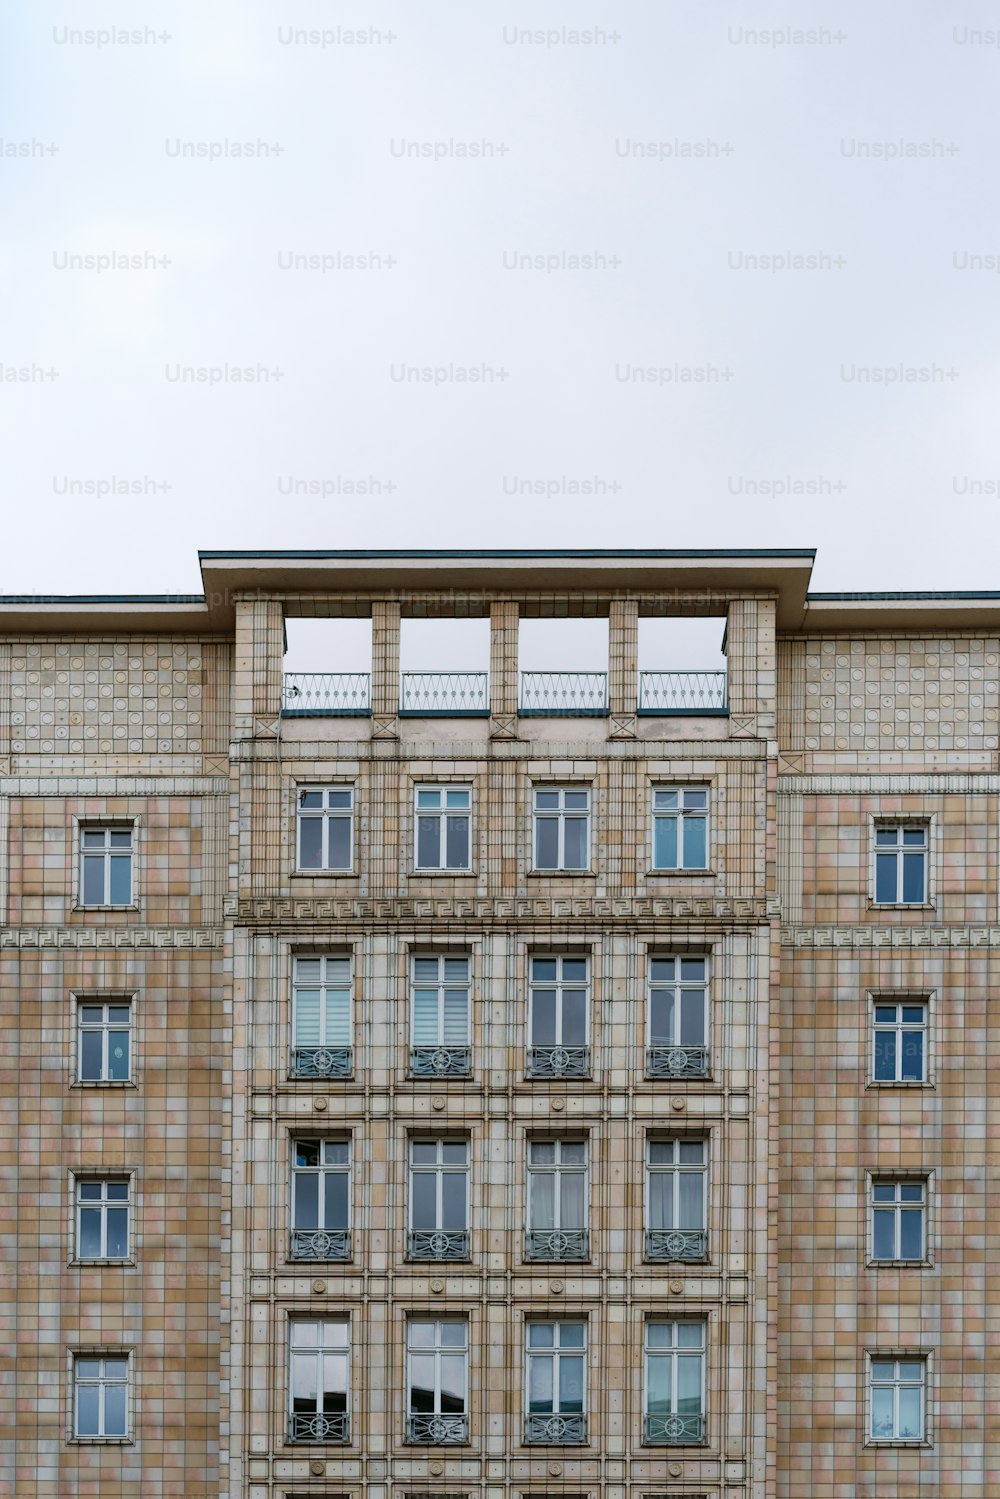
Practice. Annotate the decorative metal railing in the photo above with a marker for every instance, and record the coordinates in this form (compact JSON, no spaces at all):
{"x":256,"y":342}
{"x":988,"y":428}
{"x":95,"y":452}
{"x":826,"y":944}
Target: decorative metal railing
{"x":558,"y":1061}
{"x":558,"y":1431}
{"x":321,"y":1244}
{"x":345,"y":693}
{"x":319,"y":1427}
{"x":437,"y":1431}
{"x":677,"y":1061}
{"x":323,"y":1061}
{"x":675,"y":1430}
{"x":439,"y":1245}
{"x":441,"y":1061}
{"x":564,"y":694}
{"x":676,"y":1244}
{"x":557,"y":1244}
{"x":445,"y":694}
{"x":682,"y":692}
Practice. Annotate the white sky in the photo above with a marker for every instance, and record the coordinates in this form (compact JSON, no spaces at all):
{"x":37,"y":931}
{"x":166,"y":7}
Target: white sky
{"x":896,"y":468}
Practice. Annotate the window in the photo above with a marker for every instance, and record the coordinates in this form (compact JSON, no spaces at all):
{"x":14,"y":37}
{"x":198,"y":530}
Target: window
{"x":102,"y":1218}
{"x":558,"y":1006}
{"x":562,"y":827}
{"x":898,"y":1219}
{"x":675,"y":1200}
{"x":326,"y":827}
{"x":321,"y":1200}
{"x":901,"y":864}
{"x":675,"y":1382}
{"x":556,"y":1382}
{"x":444,"y":827}
{"x":897,"y":1398}
{"x":437,"y":1356}
{"x":439,"y":1199}
{"x":100,"y":1397}
{"x":104,"y":1041}
{"x":321,"y":1017}
{"x":557,"y":1200}
{"x":106,"y":866}
{"x":440,"y":1016}
{"x":319,"y":1358}
{"x":677,"y":1018}
{"x":899,"y":1041}
{"x":680,"y":827}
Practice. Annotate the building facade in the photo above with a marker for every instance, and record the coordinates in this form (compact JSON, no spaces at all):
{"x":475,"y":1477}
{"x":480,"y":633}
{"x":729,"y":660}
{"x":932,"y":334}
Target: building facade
{"x":507,"y":1084}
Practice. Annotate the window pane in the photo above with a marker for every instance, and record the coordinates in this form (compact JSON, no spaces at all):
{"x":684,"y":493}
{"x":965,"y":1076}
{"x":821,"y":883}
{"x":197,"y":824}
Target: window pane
{"x":121,"y":839}
{"x":453,"y":1383}
{"x":340,"y":842}
{"x":885,"y":878}
{"x":456,"y":1017}
{"x":540,"y":1385}
{"x":310,"y":843}
{"x":881,"y":1412}
{"x":93,"y":837}
{"x":425,"y":1200}
{"x":692,"y":970}
{"x":691,"y":1211}
{"x":576,"y":843}
{"x":310,"y":798}
{"x":307,"y":1017}
{"x":913,"y":1056}
{"x":911,"y":1234}
{"x":913,"y":1014}
{"x":306,"y":1200}
{"x":425,"y":970}
{"x":914,"y":836}
{"x":338,"y":1017}
{"x":695,"y":843}
{"x":337,"y":1199}
{"x":913,"y":877}
{"x":339,"y":799}
{"x":692,"y":1017}
{"x":541,"y":1335}
{"x":334,"y":1382}
{"x":428,"y":842}
{"x":574,"y":970}
{"x":577,"y":800}
{"x":696,"y":798}
{"x":90,"y":1233}
{"x":885,"y":1013}
{"x":121,"y":880}
{"x":885,"y":1056}
{"x":456,"y":970}
{"x":453,"y":1334}
{"x":90,"y":1056}
{"x":910,"y":1402}
{"x":543,"y":970}
{"x":658,"y":1386}
{"x":427,"y":797}
{"x":93,"y":880}
{"x":661,"y":1017}
{"x":458,"y":798}
{"x":573,"y":1213}
{"x":453,"y":1201}
{"x":689,"y":1384}
{"x":664,"y":798}
{"x":689,"y":1334}
{"x":665,"y":843}
{"x":422,"y":1383}
{"x":118,"y":1048}
{"x":570,"y":1385}
{"x":543,"y":1017}
{"x":546,"y":843}
{"x":541,"y":1203}
{"x":574,"y":1018}
{"x":425,"y":1017}
{"x":886,"y":836}
{"x":87,"y":1398}
{"x":305,"y":1382}
{"x":546,"y":799}
{"x":883,"y":1234}
{"x":458,"y":842}
{"x":574,"y":1153}
{"x":661,"y":1199}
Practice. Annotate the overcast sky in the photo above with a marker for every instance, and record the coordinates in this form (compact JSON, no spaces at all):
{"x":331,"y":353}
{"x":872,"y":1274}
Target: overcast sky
{"x":459,"y":146}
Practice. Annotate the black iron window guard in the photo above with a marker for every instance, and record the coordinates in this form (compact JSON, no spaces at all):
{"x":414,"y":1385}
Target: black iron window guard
{"x":321,"y":1244}
{"x":441,"y":1061}
{"x":557,"y":1244}
{"x":677,"y":1061}
{"x":318,"y":1426}
{"x":437,"y":1431}
{"x":555,"y":1430}
{"x":323,"y":1061}
{"x":559,"y":1061}
{"x":438,"y":1244}
{"x":676,"y":1244}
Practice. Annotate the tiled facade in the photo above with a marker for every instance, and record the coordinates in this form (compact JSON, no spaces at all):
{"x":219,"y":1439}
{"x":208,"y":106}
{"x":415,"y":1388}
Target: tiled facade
{"x":847,"y":720}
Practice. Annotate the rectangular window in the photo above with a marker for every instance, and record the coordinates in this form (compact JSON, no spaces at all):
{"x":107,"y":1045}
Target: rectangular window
{"x":444,"y":827}
{"x":897,"y":1387}
{"x":102,"y":1218}
{"x":100,"y":1397}
{"x":677,"y":1017}
{"x":321,"y":1200}
{"x":676,"y":1174}
{"x":557,"y":1200}
{"x":898,"y":1220}
{"x":899,"y":1041}
{"x":675,"y":1382}
{"x":562,"y":827}
{"x":680,"y":827}
{"x":104,"y":1041}
{"x":901,"y":856}
{"x":319,"y":1379}
{"x":106,"y":872}
{"x":325,"y":832}
{"x":440,"y":1022}
{"x":556,"y":1383}
{"x":558,"y":1016}
{"x":321,"y":1017}
{"x":437,"y":1378}
{"x":439,"y":1199}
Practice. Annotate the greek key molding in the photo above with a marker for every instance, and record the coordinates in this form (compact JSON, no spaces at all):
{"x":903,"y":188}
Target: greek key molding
{"x":271,"y":911}
{"x":118,"y":938}
{"x":982,"y":782}
{"x":890,"y":936}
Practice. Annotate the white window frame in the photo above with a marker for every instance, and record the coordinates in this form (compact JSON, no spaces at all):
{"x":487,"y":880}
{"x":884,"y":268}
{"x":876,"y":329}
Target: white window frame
{"x":553,"y":1355}
{"x":559,"y":984}
{"x":322,"y":1348}
{"x":102,"y":1382}
{"x":437,"y":1351}
{"x":879,"y":823}
{"x":439,"y":1170}
{"x":326,"y":814}
{"x":103,"y":1179}
{"x":322,"y":1170}
{"x":898,"y":1179}
{"x":559,"y":1171}
{"x":678,"y":984}
{"x":673,"y":1352}
{"x":443,"y":984}
{"x":561,"y":814}
{"x":106,"y":1001}
{"x":442,"y":813}
{"x":897,"y":1356}
{"x":677,"y":1169}
{"x":680,"y":814}
{"x":324,"y":982}
{"x":107,"y":826}
{"x":900,"y":999}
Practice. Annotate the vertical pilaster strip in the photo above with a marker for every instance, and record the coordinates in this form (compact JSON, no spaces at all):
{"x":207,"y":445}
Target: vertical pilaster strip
{"x":504,"y":617}
{"x":623,"y":666}
{"x":216,"y":703}
{"x":268,"y":649}
{"x":385,"y":669}
{"x":790,"y":867}
{"x":4,"y":858}
{"x":265,"y":850}
{"x":243,"y":691}
{"x":741,"y":657}
{"x":767,"y":669}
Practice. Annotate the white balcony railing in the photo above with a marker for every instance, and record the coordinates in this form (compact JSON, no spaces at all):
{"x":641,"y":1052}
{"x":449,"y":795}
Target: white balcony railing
{"x":688,"y":692}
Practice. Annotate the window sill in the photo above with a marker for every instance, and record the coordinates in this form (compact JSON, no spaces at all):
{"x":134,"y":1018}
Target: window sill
{"x":908,"y":1083}
{"x":561,"y":874}
{"x":917,"y":1442}
{"x":673,"y":874}
{"x":128,"y":1264}
{"x":100,"y":1082}
{"x":902,"y":905}
{"x":326,"y":874}
{"x":465,"y":873}
{"x":102,"y":1441}
{"x":77,"y":906}
{"x":899,"y":1264}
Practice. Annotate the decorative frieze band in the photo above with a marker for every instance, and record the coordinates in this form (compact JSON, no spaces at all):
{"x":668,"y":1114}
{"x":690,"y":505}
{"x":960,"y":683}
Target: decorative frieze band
{"x":890,"y":936}
{"x":274,"y":910}
{"x":119,"y":938}
{"x":70,"y":785}
{"x":982,"y":783}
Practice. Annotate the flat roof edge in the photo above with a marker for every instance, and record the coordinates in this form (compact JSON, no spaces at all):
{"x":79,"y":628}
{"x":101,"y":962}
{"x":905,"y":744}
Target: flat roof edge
{"x":506,"y":554}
